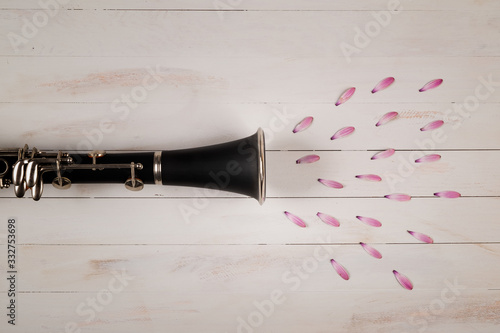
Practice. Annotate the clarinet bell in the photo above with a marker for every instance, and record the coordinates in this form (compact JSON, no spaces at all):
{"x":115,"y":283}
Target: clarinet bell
{"x":238,"y":166}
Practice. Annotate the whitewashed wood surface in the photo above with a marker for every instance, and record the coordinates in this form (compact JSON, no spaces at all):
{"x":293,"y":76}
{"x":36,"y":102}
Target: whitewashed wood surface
{"x":185,"y":260}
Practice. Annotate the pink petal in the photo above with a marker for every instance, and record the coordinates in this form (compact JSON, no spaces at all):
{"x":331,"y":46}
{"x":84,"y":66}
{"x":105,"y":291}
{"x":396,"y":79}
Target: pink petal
{"x":295,"y":219}
{"x":371,"y":178}
{"x":308,"y":159}
{"x":371,"y":251}
{"x":383,"y":84}
{"x":431,"y":85}
{"x":432,"y":125}
{"x":330,"y":220}
{"x":304,"y":124}
{"x":330,"y":183}
{"x":345,"y":96}
{"x":340,"y":269}
{"x":421,"y":237}
{"x":387,"y":118}
{"x":343,"y":132}
{"x":383,"y":154}
{"x":448,"y":194}
{"x":428,"y":158}
{"x":403,"y":280}
{"x":370,"y":221}
{"x":398,"y":197}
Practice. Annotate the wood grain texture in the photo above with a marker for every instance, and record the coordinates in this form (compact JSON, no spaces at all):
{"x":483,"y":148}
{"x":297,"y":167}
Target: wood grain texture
{"x":246,"y":268}
{"x":287,"y":34}
{"x":306,"y":80}
{"x":80,"y":95}
{"x":260,"y":5}
{"x":159,"y":75}
{"x":240,"y":221}
{"x":376,"y":311}
{"x":189,"y":123}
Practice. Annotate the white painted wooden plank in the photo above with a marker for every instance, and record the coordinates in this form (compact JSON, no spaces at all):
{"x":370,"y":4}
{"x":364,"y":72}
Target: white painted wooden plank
{"x":250,"y":33}
{"x":153,"y":126}
{"x":244,"y":268}
{"x":234,"y":221}
{"x":471,"y":173}
{"x":400,"y":174}
{"x":220,"y":79}
{"x":234,"y":5}
{"x":185,"y":311}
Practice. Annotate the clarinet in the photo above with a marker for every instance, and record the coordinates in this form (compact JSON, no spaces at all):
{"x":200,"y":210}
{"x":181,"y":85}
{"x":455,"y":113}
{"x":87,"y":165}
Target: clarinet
{"x":237,"y":166}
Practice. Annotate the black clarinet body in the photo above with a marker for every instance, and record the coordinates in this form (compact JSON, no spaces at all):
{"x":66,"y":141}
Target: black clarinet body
{"x":237,"y":166}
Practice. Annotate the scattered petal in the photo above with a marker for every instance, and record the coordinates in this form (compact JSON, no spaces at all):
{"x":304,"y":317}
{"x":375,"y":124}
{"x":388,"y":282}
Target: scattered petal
{"x":371,"y":251}
{"x":432,"y":125}
{"x":343,"y":132}
{"x":370,"y":221}
{"x":303,"y":125}
{"x":330,"y":183}
{"x":383,"y":154}
{"x":340,"y":269}
{"x":330,"y":220}
{"x":398,"y":197}
{"x":383,"y":84}
{"x":428,"y":158}
{"x":431,"y":85}
{"x":448,"y":194}
{"x":421,"y":237}
{"x":371,"y":178}
{"x":345,"y":96}
{"x":295,"y":219}
{"x":387,"y":118}
{"x":308,"y":159}
{"x":403,"y":280}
